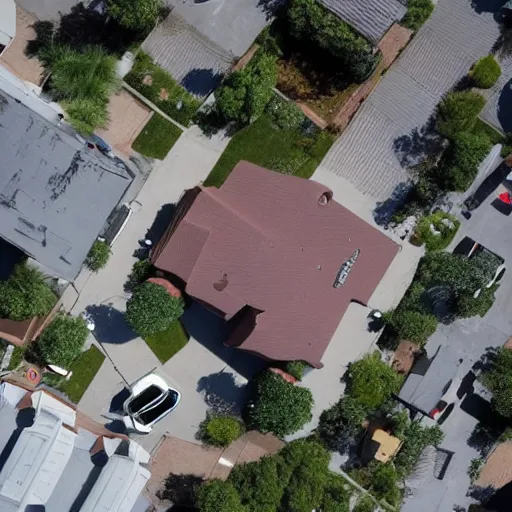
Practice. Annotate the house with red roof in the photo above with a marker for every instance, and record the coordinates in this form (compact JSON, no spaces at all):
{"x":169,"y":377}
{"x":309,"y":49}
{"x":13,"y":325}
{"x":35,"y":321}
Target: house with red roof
{"x":278,"y":256}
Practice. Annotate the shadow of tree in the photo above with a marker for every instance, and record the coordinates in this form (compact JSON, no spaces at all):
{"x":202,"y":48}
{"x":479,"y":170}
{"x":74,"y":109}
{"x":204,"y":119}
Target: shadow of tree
{"x":505,"y":107}
{"x":497,"y":500}
{"x":222,"y":393}
{"x":493,"y":6}
{"x":201,"y":82}
{"x":384,"y":209}
{"x":111,"y":325}
{"x":272,"y":8}
{"x":9,"y":257}
{"x":180,"y":490}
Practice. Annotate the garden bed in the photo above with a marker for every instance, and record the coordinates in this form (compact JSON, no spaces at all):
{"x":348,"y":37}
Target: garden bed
{"x":160,"y":88}
{"x":262,"y":143}
{"x":157,"y":138}
{"x":165,"y":344}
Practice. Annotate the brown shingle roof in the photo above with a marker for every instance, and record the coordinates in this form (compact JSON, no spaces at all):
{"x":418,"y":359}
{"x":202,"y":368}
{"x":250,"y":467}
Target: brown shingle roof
{"x":264,"y":240}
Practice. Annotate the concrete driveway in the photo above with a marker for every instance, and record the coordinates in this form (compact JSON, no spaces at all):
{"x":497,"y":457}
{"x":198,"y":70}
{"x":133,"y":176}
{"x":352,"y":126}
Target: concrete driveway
{"x":470,"y":337}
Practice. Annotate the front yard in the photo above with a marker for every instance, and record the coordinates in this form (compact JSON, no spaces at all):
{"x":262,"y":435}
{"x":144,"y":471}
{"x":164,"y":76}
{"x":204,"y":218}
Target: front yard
{"x":157,"y":138}
{"x":287,"y":151}
{"x":167,"y":343}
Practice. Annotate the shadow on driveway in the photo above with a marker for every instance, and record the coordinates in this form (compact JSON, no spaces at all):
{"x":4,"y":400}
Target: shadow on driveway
{"x":222,"y":393}
{"x":505,"y":107}
{"x":111,"y":325}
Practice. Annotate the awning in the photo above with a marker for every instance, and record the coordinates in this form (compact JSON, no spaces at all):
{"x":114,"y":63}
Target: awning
{"x":7,"y":21}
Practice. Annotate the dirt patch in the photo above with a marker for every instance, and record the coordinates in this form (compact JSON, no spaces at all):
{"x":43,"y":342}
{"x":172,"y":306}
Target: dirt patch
{"x":497,"y":471}
{"x":14,"y":58}
{"x":404,"y":357}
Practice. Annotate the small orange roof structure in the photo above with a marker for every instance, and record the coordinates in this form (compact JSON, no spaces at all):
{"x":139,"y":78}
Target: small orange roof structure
{"x":389,"y":445}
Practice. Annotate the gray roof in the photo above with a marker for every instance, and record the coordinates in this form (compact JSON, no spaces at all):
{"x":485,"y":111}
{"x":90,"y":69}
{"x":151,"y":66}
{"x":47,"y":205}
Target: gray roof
{"x":439,"y":55}
{"x":55,"y":194}
{"x":371,"y":18}
{"x":191,"y":58}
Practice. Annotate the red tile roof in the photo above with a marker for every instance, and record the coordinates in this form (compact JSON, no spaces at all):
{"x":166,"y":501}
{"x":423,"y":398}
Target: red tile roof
{"x":265,"y":240}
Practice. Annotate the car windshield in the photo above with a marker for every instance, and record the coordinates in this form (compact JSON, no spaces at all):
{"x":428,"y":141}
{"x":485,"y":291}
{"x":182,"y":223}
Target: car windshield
{"x":152,"y":414}
{"x":145,"y":398}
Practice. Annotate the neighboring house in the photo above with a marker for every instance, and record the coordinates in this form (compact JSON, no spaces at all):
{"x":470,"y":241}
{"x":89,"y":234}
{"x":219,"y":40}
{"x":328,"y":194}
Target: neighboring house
{"x":54,"y":459}
{"x":55,"y":193}
{"x":371,"y":18}
{"x":7,"y":23}
{"x":278,"y":255}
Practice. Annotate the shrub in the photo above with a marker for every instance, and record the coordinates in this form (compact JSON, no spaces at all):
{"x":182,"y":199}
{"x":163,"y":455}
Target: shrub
{"x":285,"y":114}
{"x":141,"y":271}
{"x":371,"y":382}
{"x":381,"y":479}
{"x":443,"y":223}
{"x":135,"y":14}
{"x":151,"y":309}
{"x":418,"y":12}
{"x":296,"y":369}
{"x":220,"y":430}
{"x":86,"y":115}
{"x":475,"y":468}
{"x":98,"y":256}
{"x":311,"y":21}
{"x":468,"y":151}
{"x":336,"y":495}
{"x":413,"y":326}
{"x":278,"y":406}
{"x":25,"y":294}
{"x":458,"y":113}
{"x":498,"y":379}
{"x":62,"y":341}
{"x":244,"y":94}
{"x":485,"y":72}
{"x":365,"y":504}
{"x":467,"y":306}
{"x":218,"y":496}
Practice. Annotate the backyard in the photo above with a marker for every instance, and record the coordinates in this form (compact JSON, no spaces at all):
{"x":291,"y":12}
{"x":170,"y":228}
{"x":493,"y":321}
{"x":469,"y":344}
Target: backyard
{"x":291,"y":151}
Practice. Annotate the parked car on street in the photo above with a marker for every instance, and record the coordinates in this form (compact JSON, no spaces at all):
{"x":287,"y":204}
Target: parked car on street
{"x":150,"y":400}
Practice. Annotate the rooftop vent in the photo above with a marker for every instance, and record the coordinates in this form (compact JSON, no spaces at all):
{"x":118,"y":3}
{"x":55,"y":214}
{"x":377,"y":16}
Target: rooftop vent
{"x":325,"y":198}
{"x":221,"y":284}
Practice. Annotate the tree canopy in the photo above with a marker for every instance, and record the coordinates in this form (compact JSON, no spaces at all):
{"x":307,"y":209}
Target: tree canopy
{"x":135,"y":14}
{"x":25,"y":294}
{"x":218,"y":496}
{"x":151,"y":309}
{"x":498,"y":378}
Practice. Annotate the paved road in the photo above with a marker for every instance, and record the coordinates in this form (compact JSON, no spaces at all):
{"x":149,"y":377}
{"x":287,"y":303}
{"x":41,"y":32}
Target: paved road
{"x":471,"y":337}
{"x":438,"y":56}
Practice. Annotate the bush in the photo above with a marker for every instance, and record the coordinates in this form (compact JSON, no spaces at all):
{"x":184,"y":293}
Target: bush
{"x":464,"y":158}
{"x":365,"y":504}
{"x":218,"y":496}
{"x":151,"y":309}
{"x":135,"y":14}
{"x":62,"y":341}
{"x":485,"y":72}
{"x":458,"y":113}
{"x":311,"y":21}
{"x":244,"y":94}
{"x":381,"y":479}
{"x":475,"y":468}
{"x":371,"y":382}
{"x":467,"y":306}
{"x":413,"y":326}
{"x":441,"y":222}
{"x":498,"y":379}
{"x":141,"y":271}
{"x":285,"y":114}
{"x":98,"y":256}
{"x":144,"y":69}
{"x":418,"y":12}
{"x":296,"y":369}
{"x":86,"y":115}
{"x":220,"y":430}
{"x":278,"y":406}
{"x":336,"y":495}
{"x":25,"y":294}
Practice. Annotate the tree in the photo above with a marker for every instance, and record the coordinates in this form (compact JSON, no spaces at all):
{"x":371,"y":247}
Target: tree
{"x":151,"y":309}
{"x":279,"y":406}
{"x":418,"y":12}
{"x":62,"y":341}
{"x":244,"y":94}
{"x":371,"y":381}
{"x":485,"y":72}
{"x":25,"y":294}
{"x":311,"y":21}
{"x":336,"y":495}
{"x":458,"y":112}
{"x":98,"y":256}
{"x":135,"y":14}
{"x":218,"y":496}
{"x":498,"y":378}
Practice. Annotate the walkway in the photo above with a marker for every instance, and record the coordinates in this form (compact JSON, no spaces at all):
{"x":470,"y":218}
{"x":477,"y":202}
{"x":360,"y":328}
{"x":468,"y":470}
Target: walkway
{"x":188,"y":163}
{"x":438,"y":56}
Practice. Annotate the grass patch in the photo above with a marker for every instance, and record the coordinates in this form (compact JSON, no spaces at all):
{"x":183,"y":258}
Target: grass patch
{"x":161,"y":89}
{"x":16,"y":357}
{"x":84,"y":368}
{"x":262,"y":143}
{"x":494,"y":135}
{"x":157,"y":137}
{"x":167,"y":343}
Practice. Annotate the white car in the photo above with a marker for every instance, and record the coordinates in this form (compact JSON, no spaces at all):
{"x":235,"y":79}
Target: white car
{"x":150,"y":400}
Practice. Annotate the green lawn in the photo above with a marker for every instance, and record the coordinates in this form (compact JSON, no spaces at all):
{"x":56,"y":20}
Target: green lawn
{"x":17,"y":357}
{"x":166,"y":344}
{"x":157,"y":137}
{"x":494,"y":135}
{"x":84,"y":368}
{"x":287,"y":151}
{"x":151,"y":81}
